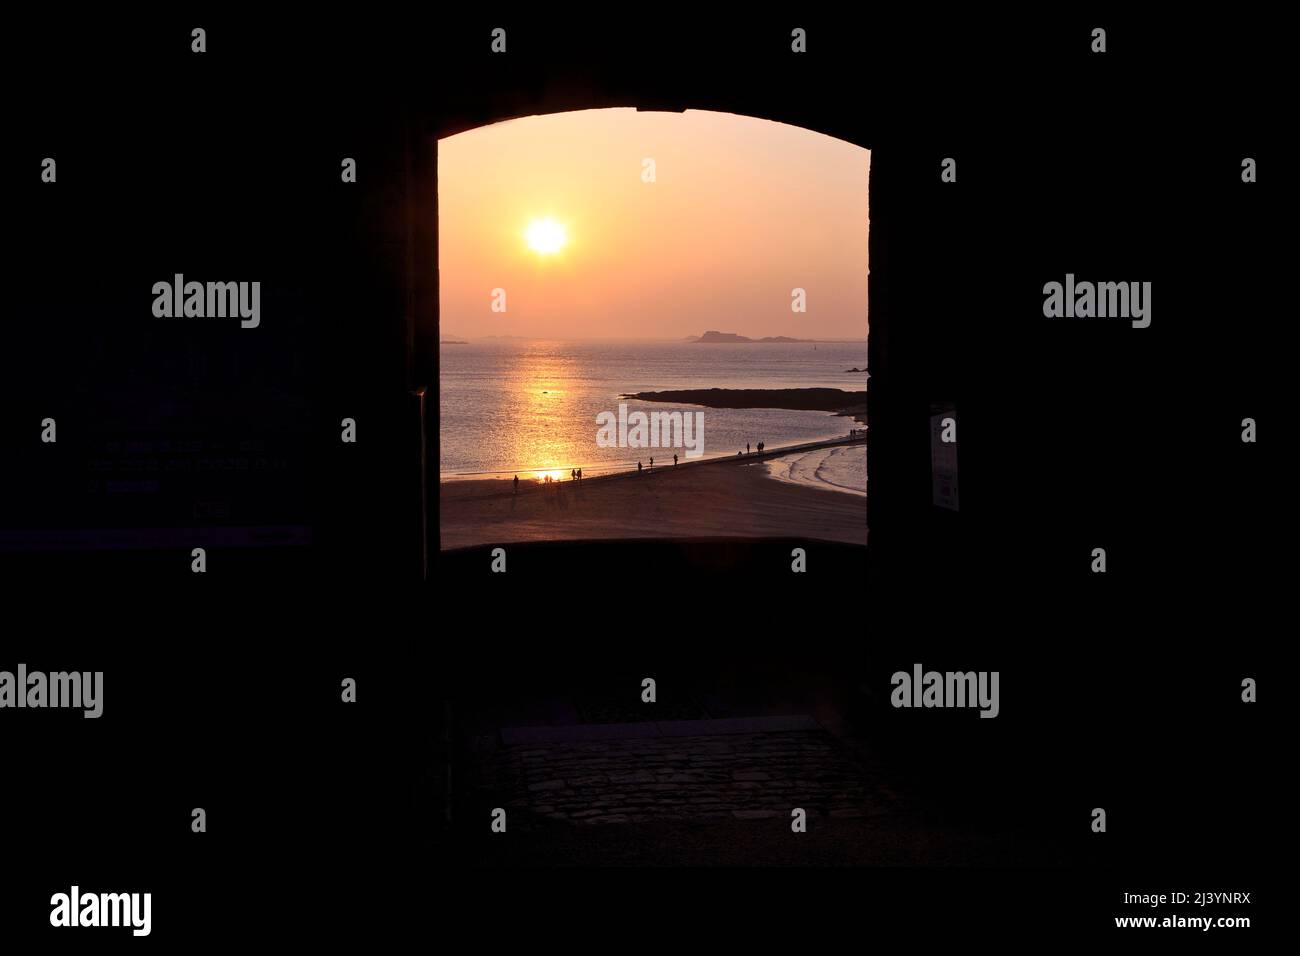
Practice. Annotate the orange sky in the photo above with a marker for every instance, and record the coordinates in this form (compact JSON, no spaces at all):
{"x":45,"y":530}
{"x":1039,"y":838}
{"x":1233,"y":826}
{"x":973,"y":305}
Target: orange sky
{"x":742,"y":211}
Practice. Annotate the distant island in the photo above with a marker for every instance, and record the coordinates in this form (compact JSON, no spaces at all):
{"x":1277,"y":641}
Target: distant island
{"x":451,"y":342}
{"x":713,"y":338}
{"x":835,"y":400}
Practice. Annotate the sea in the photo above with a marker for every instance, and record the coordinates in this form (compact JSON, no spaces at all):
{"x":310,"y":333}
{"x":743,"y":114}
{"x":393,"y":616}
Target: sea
{"x":530,"y":408}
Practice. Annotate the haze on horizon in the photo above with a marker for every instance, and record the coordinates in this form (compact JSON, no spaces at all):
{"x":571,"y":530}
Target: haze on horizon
{"x":742,"y":211}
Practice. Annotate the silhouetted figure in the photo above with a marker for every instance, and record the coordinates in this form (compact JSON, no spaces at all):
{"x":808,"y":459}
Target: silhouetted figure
{"x":573,"y":474}
{"x":746,"y":448}
{"x":674,"y":460}
{"x":516,"y":484}
{"x":760,"y":448}
{"x":580,"y":474}
{"x":652,"y":464}
{"x":638,"y":467}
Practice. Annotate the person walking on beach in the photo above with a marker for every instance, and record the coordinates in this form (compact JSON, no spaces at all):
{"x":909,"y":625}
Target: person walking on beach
{"x":516,"y":484}
{"x":746,"y":448}
{"x":760,"y":448}
{"x":652,"y":464}
{"x":674,"y":459}
{"x":638,"y":467}
{"x":580,"y":474}
{"x":573,"y":474}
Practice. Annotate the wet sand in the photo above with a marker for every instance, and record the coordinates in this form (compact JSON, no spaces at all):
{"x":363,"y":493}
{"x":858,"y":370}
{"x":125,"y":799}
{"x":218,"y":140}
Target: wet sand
{"x":722,"y":498}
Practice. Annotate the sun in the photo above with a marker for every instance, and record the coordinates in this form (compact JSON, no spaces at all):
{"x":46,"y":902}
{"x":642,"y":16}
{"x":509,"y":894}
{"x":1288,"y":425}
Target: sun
{"x":546,"y":236}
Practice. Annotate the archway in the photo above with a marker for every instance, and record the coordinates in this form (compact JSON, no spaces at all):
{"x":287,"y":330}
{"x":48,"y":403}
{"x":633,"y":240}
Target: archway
{"x":751,"y":220}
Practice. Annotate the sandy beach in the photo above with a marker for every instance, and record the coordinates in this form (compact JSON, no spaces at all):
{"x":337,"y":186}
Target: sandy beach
{"x":717,"y":498}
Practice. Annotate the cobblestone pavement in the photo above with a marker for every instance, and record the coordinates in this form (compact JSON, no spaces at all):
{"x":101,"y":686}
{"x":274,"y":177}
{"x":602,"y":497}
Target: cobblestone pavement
{"x":750,"y":776}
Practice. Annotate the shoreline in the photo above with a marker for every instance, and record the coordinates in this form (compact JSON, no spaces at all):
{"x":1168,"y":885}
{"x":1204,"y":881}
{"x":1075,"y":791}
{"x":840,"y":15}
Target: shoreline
{"x":715,"y":497}
{"x":825,"y":469}
{"x":628,"y":470}
{"x":628,"y":466}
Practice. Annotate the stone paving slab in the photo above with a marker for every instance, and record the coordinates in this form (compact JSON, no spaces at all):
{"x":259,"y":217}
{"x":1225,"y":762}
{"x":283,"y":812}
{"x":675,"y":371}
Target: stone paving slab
{"x":512,"y":736}
{"x":670,"y":771}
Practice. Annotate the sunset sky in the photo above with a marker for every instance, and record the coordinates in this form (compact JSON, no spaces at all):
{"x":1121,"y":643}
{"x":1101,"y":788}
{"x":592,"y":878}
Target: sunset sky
{"x":554,"y":210}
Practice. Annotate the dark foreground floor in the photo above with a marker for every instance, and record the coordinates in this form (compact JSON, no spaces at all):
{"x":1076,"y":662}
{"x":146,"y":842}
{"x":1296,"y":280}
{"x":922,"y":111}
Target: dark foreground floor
{"x":712,"y":792}
{"x":854,"y":842}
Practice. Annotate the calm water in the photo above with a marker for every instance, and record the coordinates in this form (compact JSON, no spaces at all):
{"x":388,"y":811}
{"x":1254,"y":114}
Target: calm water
{"x":521,"y":407}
